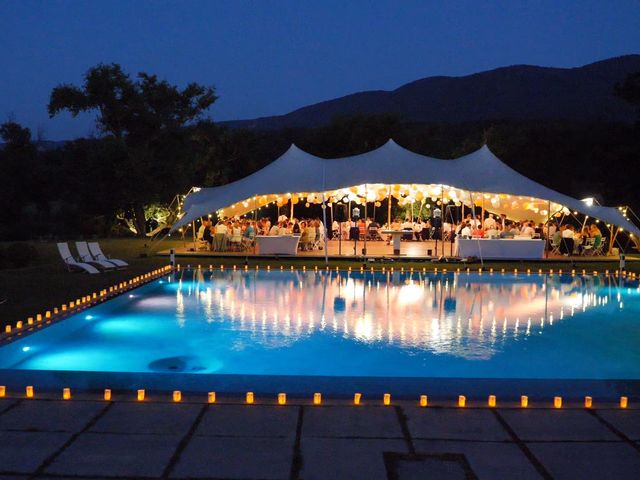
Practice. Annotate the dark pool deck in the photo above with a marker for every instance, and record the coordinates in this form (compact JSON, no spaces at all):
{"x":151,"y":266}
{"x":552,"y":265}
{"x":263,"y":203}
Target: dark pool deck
{"x":87,"y":437}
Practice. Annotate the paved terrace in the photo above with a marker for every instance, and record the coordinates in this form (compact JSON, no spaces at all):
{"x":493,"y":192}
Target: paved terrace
{"x":87,"y":437}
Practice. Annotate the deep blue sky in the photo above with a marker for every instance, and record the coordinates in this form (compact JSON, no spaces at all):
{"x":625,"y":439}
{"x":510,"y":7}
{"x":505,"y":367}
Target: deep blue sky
{"x":270,"y":57}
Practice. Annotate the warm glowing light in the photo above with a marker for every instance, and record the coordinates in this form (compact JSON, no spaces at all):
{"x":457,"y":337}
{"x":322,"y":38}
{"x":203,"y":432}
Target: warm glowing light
{"x":557,"y":402}
{"x":282,"y":399}
{"x":356,"y":398}
{"x":141,"y":395}
{"x":249,"y":397}
{"x":29,"y":391}
{"x":492,"y":401}
{"x":107,"y":394}
{"x":424,"y":400}
{"x":3,"y":391}
{"x":386,"y":399}
{"x":317,"y":398}
{"x":588,"y":402}
{"x":211,"y":397}
{"x":524,"y":401}
{"x":177,"y":396}
{"x":624,"y":402}
{"x":462,"y":401}
{"x":66,"y":393}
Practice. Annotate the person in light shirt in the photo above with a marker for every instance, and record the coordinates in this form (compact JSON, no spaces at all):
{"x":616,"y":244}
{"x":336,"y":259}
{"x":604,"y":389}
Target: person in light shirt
{"x":275,"y":230}
{"x":490,"y":223}
{"x":527,"y":230}
{"x":567,"y":244}
{"x":465,"y":231}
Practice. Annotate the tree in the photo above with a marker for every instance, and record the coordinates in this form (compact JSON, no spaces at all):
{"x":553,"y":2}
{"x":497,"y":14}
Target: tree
{"x":147,"y":117}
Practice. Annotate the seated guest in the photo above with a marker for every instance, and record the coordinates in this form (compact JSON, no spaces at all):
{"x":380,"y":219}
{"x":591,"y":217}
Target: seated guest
{"x":527,"y":230}
{"x":567,"y":243}
{"x":275,"y":230}
{"x":249,"y":234}
{"x":594,"y":232}
{"x":373,"y":229}
{"x":417,"y":230}
{"x":465,"y":231}
{"x":477,"y":231}
{"x":490,"y":223}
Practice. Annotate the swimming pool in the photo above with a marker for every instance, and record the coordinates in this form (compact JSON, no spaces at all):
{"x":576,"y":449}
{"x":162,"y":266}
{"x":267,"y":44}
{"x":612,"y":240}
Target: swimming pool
{"x":296,"y":330}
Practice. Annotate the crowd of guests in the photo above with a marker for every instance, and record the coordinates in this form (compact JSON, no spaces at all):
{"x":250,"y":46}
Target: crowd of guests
{"x":239,"y":234}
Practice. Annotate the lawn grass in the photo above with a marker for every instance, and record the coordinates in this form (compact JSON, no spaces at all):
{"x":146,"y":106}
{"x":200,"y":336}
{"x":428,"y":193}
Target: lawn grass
{"x":48,"y":284}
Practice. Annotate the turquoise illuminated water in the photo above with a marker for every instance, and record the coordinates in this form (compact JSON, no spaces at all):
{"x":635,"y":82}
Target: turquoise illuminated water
{"x":351,"y":324}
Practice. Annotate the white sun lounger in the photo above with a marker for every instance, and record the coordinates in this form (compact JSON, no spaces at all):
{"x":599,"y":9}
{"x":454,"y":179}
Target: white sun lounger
{"x":71,"y":262}
{"x":85,"y":256}
{"x":96,"y":251}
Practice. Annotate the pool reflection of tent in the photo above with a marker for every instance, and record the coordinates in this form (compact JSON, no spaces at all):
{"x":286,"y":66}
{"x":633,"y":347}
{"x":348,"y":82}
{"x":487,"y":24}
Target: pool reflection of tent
{"x":479,"y":178}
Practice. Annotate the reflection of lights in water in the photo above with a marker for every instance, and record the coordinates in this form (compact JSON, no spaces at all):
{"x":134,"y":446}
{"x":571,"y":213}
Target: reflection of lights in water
{"x":410,"y":293}
{"x":467,"y":315}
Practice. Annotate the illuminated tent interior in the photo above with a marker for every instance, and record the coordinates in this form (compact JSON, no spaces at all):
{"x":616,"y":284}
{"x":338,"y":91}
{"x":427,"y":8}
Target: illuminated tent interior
{"x":479,"y":178}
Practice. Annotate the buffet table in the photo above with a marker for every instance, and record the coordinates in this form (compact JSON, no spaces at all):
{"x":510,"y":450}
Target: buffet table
{"x":277,"y":244}
{"x":500,"y":248}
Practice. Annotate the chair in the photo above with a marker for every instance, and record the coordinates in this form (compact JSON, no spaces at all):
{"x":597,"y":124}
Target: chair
{"x":71,"y":262}
{"x":555,"y":245}
{"x":601,"y":250}
{"x":589,"y":246}
{"x":96,"y":251}
{"x":235,"y":242}
{"x":86,"y":257}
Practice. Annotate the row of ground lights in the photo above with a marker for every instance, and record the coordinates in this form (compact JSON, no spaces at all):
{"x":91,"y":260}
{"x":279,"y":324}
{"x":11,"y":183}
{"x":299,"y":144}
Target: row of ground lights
{"x":551,"y":272}
{"x":423,"y":400}
{"x":86,"y":301}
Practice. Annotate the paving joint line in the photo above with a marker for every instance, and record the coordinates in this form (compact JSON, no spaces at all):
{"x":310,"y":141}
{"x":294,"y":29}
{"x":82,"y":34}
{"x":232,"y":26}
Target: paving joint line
{"x":296,"y":461}
{"x":617,"y":432}
{"x":537,"y":464}
{"x":404,"y":426}
{"x":52,"y":458}
{"x":184,"y":441}
{"x":11,"y":407}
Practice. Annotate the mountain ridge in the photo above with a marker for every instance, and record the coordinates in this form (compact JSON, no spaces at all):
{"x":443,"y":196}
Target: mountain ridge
{"x":516,"y":92}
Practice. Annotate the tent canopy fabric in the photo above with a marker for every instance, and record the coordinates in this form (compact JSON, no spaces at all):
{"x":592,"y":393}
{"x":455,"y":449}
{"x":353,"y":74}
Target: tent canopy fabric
{"x":481,"y":172}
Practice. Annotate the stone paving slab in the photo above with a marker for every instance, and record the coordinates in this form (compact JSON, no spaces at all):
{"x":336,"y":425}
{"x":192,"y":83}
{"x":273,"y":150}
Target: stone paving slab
{"x":249,"y":421}
{"x":337,"y":458}
{"x":430,"y":469}
{"x":461,"y":423}
{"x":488,"y":460}
{"x":627,"y":421}
{"x":532,"y":424}
{"x":50,"y":416}
{"x":237,"y":457}
{"x":24,"y":452}
{"x":350,"y":421}
{"x":148,"y":418}
{"x":116,"y":455}
{"x":588,"y":460}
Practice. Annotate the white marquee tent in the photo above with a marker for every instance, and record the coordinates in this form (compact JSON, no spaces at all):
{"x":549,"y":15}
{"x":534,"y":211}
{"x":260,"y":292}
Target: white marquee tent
{"x":479,"y":178}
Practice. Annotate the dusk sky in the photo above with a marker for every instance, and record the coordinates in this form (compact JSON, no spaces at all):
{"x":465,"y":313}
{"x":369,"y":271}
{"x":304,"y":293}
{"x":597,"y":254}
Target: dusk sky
{"x":271,"y":57}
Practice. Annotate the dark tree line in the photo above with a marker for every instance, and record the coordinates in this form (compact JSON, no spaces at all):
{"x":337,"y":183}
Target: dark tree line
{"x":156,"y":143}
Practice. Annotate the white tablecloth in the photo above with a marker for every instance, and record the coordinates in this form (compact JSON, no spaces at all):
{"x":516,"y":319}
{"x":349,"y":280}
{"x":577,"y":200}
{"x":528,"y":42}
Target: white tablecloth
{"x":277,"y":244}
{"x":487,"y":248}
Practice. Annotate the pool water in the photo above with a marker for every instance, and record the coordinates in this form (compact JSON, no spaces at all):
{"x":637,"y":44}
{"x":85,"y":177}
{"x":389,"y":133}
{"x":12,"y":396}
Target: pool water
{"x":333,"y":324}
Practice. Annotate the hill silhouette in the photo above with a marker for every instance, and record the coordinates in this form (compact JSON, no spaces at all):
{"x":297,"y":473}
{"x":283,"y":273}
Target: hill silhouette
{"x":518,"y":92}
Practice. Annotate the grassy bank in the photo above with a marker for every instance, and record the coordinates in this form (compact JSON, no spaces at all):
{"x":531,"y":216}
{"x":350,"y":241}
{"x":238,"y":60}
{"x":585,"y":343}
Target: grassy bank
{"x":47,"y":283}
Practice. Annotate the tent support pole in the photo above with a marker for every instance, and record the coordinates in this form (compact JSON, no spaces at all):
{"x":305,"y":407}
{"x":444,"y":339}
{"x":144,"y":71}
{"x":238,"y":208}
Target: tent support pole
{"x":324,"y":227}
{"x":291,"y":218}
{"x":364,"y":249}
{"x":389,"y":209}
{"x":441,"y":220}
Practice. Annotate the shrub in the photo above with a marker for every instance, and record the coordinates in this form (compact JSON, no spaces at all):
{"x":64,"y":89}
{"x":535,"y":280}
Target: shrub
{"x":18,"y":255}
